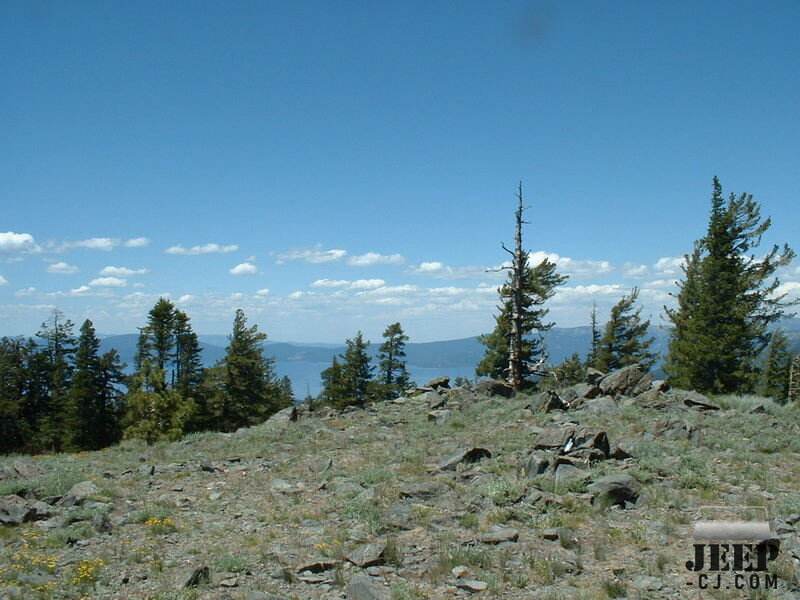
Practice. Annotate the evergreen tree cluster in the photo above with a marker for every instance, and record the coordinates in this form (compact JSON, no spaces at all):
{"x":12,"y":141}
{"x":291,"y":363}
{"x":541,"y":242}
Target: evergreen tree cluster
{"x":60,"y":393}
{"x":349,"y":381}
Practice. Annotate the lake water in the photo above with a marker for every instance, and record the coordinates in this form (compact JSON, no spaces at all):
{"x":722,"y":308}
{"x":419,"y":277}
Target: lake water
{"x":305,"y":376}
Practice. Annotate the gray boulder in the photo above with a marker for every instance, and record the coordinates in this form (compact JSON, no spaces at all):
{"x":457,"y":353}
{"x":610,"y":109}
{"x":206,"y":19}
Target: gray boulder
{"x":619,"y":488}
{"x":622,"y":381}
{"x":362,"y":587}
{"x":494,"y":387}
{"x":439,"y":382}
{"x":14,"y":510}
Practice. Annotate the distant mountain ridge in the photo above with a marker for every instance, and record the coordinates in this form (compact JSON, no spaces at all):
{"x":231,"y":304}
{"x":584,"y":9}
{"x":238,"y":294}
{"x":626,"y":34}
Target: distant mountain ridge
{"x":561,"y":342}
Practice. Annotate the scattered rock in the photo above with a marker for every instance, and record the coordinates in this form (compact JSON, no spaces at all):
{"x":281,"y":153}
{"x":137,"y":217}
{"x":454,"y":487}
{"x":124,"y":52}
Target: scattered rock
{"x":567,"y":472}
{"x":439,"y":382}
{"x":494,"y":387}
{"x":196,"y":577}
{"x":621,"y":381}
{"x":319,"y":565}
{"x":602,"y":405}
{"x":438,"y":416}
{"x":498,"y":535}
{"x":362,"y":587}
{"x":538,"y":463}
{"x":547,"y":401}
{"x":423,"y":490}
{"x":367,"y":555}
{"x":471,"y":585}
{"x":468,"y":456}
{"x":676,"y":429}
{"x":398,"y":516}
{"x":432,"y":399}
{"x":281,"y":486}
{"x":593,"y":376}
{"x":13,"y":510}
{"x":619,"y":488}
{"x":209,"y":467}
{"x":284,"y":416}
{"x":644,"y":384}
{"x":78,"y":493}
{"x":41,"y":511}
{"x":694,"y":399}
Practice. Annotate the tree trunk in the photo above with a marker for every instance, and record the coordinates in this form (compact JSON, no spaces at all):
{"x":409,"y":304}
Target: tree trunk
{"x":515,"y":366}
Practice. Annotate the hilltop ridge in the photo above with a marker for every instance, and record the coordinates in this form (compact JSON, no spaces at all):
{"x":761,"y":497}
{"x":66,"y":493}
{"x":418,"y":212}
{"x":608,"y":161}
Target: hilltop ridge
{"x":586,"y":492}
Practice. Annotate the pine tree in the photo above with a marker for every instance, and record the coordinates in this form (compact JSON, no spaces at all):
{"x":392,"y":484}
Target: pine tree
{"x":571,"y":370}
{"x":539,"y":285}
{"x":110,"y":404}
{"x":393,"y":375}
{"x":188,"y":362}
{"x":86,"y":389}
{"x":252,"y":392}
{"x":356,"y":370}
{"x":15,"y":430}
{"x":526,"y":289}
{"x":55,"y":425}
{"x":623,"y":342}
{"x":334,"y":389}
{"x":154,"y":412}
{"x":591,"y":358}
{"x":726,"y":301}
{"x":775,"y":376}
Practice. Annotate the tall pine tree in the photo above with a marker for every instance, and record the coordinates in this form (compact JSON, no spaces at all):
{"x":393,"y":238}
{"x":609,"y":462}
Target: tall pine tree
{"x":393,"y":375}
{"x":251,"y":390}
{"x":726,"y":301}
{"x":95,"y":393}
{"x":778,"y":362}
{"x":623,"y":342}
{"x":54,"y":420}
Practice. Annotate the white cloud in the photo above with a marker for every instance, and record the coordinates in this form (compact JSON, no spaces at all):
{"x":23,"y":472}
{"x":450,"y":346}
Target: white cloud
{"x":330,"y":283}
{"x":669,"y":265}
{"x":122,"y":271}
{"x":569,"y":294}
{"x":373,"y":258}
{"x":28,"y":291}
{"x":366,"y":284}
{"x":101,"y":243}
{"x":634,"y":271}
{"x":12,"y":244}
{"x":244,"y":269}
{"x":447,"y":291}
{"x":62,"y":268}
{"x":263,"y":292}
{"x":3,"y":280}
{"x":138,"y":242}
{"x":204,"y":249}
{"x":315,"y":255}
{"x":185,"y":298}
{"x":390,"y":289}
{"x":138,"y":284}
{"x":108,"y":282}
{"x":80,"y":290}
{"x":298,"y":294}
{"x":660,"y":283}
{"x":790,"y":288}
{"x":438,"y":270}
{"x":570,"y":266}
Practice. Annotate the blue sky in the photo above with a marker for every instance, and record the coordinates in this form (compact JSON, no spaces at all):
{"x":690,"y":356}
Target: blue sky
{"x":330,"y":167}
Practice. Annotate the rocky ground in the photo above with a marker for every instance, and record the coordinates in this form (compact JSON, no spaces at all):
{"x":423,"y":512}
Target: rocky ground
{"x":587,"y":492}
